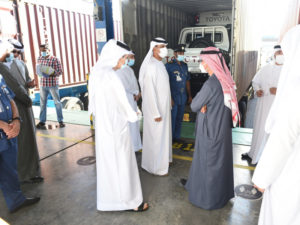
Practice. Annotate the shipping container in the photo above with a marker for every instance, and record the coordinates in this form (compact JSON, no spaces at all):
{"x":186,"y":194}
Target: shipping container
{"x":137,"y":21}
{"x":70,"y":34}
{"x":76,"y":35}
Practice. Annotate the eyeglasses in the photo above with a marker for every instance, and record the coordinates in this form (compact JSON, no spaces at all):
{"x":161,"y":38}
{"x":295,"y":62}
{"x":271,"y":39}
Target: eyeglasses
{"x":16,"y":51}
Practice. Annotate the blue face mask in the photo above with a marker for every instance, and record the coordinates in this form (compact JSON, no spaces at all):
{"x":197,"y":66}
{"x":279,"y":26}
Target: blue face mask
{"x":131,"y":62}
{"x":10,"y":57}
{"x":180,"y":58}
{"x":44,"y":54}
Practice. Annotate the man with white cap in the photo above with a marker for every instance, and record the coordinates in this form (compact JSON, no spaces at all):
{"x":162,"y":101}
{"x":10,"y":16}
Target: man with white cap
{"x":17,"y":51}
{"x":131,"y":86}
{"x":118,"y":181}
{"x":28,"y":156}
{"x":265,"y":85}
{"x":277,"y":173}
{"x":156,"y":106}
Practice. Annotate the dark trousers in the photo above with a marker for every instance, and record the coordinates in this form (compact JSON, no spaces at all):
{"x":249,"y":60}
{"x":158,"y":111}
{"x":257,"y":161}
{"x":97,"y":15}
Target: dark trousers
{"x":9,"y":181}
{"x":177,"y":116}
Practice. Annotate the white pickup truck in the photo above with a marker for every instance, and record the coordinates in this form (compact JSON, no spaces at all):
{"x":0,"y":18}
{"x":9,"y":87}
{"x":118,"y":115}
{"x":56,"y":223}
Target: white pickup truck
{"x":196,"y":39}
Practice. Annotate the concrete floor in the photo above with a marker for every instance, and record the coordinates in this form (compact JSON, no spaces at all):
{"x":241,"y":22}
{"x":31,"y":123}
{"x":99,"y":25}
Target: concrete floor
{"x":68,"y":195}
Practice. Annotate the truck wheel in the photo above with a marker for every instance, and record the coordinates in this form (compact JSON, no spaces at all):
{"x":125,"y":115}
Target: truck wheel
{"x":204,"y":43}
{"x":72,"y":103}
{"x":85,"y":100}
{"x":201,"y":43}
{"x":226,"y":57}
{"x":64,"y":101}
{"x":243,"y":109}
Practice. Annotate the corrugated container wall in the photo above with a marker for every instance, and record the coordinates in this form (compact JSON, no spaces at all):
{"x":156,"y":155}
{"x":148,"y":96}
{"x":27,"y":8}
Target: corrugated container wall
{"x":146,"y":19}
{"x":70,"y":36}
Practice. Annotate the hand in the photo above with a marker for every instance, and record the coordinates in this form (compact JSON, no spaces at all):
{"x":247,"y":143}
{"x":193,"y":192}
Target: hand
{"x":120,"y":63}
{"x":273,"y":90}
{"x":190,"y":100}
{"x":172,"y":102}
{"x":5,"y":127}
{"x":259,"y":93}
{"x":204,"y":109}
{"x":14,"y":129}
{"x":260,"y":189}
{"x":31,"y":84}
{"x":158,"y":119}
{"x":137,"y":97}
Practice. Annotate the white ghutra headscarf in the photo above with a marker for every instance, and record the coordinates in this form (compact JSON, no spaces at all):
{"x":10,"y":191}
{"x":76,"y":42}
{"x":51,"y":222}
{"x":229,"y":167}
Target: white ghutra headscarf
{"x":143,"y":69}
{"x":110,"y":55}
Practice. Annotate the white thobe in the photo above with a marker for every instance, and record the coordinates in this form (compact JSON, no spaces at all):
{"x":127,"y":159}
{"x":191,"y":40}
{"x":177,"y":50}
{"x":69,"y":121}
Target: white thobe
{"x":130,"y":84}
{"x":118,"y":181}
{"x":157,"y":136}
{"x":278,"y":171}
{"x":265,"y":79}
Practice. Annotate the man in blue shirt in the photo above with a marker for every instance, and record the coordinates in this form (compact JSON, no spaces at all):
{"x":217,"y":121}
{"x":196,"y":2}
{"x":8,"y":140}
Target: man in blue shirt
{"x":9,"y":130}
{"x":180,"y":89}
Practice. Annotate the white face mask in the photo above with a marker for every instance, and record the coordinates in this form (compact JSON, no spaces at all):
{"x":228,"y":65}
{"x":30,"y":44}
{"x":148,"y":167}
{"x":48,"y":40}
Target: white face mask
{"x":279,"y":59}
{"x":202,"y":69}
{"x":163,"y":52}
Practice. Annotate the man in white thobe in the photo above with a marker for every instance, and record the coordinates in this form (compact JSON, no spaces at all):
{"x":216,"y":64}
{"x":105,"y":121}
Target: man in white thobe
{"x":156,"y":106}
{"x":277,"y":173}
{"x":265,"y":85}
{"x":130,"y":84}
{"x":118,"y":181}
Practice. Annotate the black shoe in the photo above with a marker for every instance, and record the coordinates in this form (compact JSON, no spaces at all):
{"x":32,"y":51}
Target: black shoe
{"x":183,"y":181}
{"x":27,"y":202}
{"x":36,"y":179}
{"x":245,"y":156}
{"x":41,"y":126}
{"x":61,"y":124}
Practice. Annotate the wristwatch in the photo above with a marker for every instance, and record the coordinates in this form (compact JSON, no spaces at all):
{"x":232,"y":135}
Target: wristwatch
{"x":16,"y":118}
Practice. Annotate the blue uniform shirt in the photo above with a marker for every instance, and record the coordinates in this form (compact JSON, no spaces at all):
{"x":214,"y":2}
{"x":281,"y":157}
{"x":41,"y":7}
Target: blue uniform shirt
{"x":6,"y":95}
{"x":178,"y":75}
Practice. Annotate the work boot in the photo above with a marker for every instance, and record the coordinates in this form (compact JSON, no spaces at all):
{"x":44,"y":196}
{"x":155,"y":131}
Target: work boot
{"x":183,"y":181}
{"x":41,"y":126}
{"x":61,"y":124}
{"x":245,"y":156}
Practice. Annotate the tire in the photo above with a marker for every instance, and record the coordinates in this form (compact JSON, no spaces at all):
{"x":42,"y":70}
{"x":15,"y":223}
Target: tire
{"x":243,"y":110}
{"x":84,"y":97}
{"x":64,"y":101}
{"x":204,"y":43}
{"x":201,"y":43}
{"x":72,"y":103}
{"x":226,"y":57}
